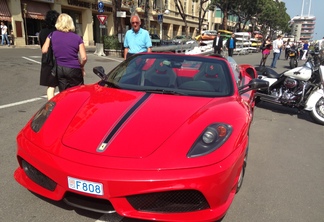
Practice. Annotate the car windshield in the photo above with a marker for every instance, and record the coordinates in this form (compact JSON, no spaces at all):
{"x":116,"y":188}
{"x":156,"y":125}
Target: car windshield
{"x":235,"y":68}
{"x":175,"y":74}
{"x":180,"y":37}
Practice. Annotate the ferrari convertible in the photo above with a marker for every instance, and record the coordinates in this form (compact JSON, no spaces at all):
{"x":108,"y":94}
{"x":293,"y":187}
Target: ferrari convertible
{"x":161,"y":137}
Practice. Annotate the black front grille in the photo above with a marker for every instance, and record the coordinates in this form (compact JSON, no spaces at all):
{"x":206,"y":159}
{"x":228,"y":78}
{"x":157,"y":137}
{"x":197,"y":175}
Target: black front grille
{"x":38,"y":177}
{"x":169,"y":202}
{"x":89,"y":203}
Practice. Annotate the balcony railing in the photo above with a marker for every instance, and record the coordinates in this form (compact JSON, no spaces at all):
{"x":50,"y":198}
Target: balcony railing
{"x":307,"y":31}
{"x":308,"y":27}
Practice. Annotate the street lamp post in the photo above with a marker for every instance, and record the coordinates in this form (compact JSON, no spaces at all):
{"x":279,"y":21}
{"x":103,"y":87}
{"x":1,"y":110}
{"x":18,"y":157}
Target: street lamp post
{"x":163,"y":11}
{"x":25,"y":21}
{"x":161,"y":22}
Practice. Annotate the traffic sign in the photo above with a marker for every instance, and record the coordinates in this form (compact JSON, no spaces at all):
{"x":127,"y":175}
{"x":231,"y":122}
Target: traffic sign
{"x":160,"y":18}
{"x":121,"y":14}
{"x":102,"y":19}
{"x":100,"y":7}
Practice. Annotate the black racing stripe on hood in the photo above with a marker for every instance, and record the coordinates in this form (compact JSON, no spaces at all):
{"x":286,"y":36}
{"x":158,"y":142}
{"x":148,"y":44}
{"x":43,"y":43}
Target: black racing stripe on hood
{"x":103,"y":145}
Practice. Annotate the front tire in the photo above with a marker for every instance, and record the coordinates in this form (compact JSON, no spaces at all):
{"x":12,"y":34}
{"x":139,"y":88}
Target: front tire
{"x":242,"y":173}
{"x":292,"y":63}
{"x":317,"y":112}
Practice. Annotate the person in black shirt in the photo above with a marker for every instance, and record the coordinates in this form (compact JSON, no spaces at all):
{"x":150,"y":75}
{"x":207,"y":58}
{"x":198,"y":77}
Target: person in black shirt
{"x":46,"y":79}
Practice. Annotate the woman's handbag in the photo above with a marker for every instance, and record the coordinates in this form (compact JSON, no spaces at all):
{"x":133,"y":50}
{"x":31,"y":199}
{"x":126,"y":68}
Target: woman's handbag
{"x":49,"y":58}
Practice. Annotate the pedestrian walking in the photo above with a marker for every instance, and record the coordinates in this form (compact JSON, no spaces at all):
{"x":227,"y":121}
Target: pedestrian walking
{"x":218,"y":44}
{"x":231,"y":45}
{"x":276,"y":45}
{"x":46,"y":78}
{"x":266,"y":48}
{"x":287,"y":46}
{"x":305,"y":50}
{"x":136,"y":39}
{"x":69,"y":52}
{"x":4,"y":34}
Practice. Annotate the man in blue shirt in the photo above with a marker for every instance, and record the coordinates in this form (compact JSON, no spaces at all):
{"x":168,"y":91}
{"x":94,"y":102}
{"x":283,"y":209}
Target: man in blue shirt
{"x":136,"y":39}
{"x":231,"y":45}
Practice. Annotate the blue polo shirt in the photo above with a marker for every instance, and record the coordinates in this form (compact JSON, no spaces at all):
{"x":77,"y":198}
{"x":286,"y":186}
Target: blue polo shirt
{"x":137,"y":42}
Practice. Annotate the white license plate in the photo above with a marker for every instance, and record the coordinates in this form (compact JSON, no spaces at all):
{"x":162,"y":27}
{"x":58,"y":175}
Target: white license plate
{"x":85,"y":186}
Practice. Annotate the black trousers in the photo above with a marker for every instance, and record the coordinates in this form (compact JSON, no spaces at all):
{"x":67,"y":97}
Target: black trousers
{"x":217,"y":50}
{"x":230,"y":52}
{"x":69,"y":77}
{"x":129,"y":55}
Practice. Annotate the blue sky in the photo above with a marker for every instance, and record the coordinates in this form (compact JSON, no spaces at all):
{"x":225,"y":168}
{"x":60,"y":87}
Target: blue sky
{"x":294,"y":8}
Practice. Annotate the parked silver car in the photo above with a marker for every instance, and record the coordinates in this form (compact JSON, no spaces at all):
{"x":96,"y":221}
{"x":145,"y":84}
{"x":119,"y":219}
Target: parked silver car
{"x":181,"y":39}
{"x":156,"y":41}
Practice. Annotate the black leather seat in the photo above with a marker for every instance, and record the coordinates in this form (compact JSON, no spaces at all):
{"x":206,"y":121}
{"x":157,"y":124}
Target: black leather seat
{"x":133,"y":73}
{"x":213,"y":74}
{"x":160,"y":74}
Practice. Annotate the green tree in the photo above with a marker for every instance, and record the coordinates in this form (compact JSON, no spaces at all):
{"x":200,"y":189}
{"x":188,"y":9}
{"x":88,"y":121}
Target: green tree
{"x":246,"y":11}
{"x":203,"y":9}
{"x":182,"y":13}
{"x":226,"y":6}
{"x":116,"y":6}
{"x":273,"y":18}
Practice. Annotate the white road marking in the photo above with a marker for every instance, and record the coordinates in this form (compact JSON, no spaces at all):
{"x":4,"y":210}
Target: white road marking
{"x":36,"y":57}
{"x":31,"y":60}
{"x":22,"y":102}
{"x":38,"y":98}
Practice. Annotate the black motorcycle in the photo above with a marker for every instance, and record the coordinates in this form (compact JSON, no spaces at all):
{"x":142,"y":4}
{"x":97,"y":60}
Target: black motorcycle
{"x":293,"y":58}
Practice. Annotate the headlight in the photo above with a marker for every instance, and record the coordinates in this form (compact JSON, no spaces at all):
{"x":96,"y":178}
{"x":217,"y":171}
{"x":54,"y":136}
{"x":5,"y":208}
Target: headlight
{"x":211,"y":139}
{"x":42,"y":115}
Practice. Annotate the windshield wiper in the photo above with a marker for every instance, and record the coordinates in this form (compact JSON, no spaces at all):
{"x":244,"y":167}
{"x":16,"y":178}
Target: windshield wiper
{"x":164,"y":91}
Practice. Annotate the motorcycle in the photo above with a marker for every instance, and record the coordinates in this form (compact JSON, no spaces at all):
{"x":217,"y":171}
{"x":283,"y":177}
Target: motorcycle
{"x":293,"y":58}
{"x":301,"y":87}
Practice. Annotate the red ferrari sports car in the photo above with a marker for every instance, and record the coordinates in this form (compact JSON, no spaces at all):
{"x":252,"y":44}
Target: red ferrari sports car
{"x":161,"y":137}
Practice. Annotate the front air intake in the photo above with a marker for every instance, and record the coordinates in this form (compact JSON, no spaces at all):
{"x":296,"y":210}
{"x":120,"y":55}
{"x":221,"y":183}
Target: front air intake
{"x":169,"y":202}
{"x":38,"y":177}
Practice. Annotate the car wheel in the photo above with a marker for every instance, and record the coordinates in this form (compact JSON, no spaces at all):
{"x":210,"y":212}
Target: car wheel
{"x":241,"y":177}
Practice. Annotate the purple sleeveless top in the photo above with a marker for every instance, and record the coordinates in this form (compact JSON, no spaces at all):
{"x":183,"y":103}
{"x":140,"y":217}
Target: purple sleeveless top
{"x":66,"y":48}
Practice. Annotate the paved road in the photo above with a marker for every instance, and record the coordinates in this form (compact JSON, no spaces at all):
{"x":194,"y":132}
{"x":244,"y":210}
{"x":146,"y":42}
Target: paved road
{"x":284,"y":177}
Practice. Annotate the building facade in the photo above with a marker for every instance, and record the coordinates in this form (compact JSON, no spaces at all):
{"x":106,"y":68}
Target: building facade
{"x":25,"y":18}
{"x":303,"y":27}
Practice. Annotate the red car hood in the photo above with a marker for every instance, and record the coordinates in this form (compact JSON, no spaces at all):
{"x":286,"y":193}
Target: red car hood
{"x":128,"y":124}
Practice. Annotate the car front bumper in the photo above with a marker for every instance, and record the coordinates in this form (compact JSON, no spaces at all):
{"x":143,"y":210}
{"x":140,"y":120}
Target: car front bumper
{"x":194,"y":194}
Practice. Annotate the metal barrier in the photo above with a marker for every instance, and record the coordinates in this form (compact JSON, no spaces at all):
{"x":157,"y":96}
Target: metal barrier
{"x":181,"y":48}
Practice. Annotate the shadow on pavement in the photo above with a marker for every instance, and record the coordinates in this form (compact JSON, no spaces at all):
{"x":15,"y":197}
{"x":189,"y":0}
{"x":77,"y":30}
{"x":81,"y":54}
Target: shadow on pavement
{"x":300,"y":114}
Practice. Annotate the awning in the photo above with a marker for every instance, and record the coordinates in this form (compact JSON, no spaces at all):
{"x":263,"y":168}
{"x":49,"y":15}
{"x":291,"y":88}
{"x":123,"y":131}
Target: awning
{"x":4,"y":11}
{"x":36,"y":10}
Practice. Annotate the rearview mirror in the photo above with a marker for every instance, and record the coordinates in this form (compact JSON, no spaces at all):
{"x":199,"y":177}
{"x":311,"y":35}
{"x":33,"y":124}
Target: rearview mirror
{"x":100,"y":71}
{"x":254,"y":84}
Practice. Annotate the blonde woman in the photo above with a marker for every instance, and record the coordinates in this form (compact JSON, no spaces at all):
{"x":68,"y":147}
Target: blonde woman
{"x":69,"y":52}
